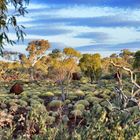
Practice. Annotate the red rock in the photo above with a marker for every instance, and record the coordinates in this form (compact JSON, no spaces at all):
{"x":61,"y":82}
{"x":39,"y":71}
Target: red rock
{"x":16,"y":88}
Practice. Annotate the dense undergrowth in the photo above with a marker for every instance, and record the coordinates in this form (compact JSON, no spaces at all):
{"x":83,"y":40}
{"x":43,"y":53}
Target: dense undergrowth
{"x":90,"y":111}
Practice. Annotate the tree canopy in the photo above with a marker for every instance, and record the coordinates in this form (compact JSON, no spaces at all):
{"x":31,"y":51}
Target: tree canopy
{"x":90,"y":64}
{"x":136,"y":64}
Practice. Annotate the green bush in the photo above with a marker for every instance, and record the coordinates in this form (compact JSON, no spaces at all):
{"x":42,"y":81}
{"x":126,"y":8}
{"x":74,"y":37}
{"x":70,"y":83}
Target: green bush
{"x":50,"y":120}
{"x":93,"y":100}
{"x":83,"y":102}
{"x":72,"y":97}
{"x":76,"y":112}
{"x":67,"y":102}
{"x":79,"y":93}
{"x":80,"y":107}
{"x":47,"y":94}
{"x":22,"y":103}
{"x":56,"y":103}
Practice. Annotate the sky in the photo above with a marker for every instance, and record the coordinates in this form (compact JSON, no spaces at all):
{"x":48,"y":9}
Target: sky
{"x":89,"y":26}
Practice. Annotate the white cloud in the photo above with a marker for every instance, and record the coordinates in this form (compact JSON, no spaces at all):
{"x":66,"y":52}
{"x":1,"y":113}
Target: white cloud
{"x":117,"y":35}
{"x":37,"y":6}
{"x":31,"y":6}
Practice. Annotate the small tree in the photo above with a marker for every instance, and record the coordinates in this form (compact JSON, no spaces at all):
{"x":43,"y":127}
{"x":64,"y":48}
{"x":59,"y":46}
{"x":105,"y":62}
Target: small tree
{"x":61,"y":69}
{"x":91,"y":66}
{"x":136,"y":63}
{"x":126,"y":54}
{"x":36,"y":51}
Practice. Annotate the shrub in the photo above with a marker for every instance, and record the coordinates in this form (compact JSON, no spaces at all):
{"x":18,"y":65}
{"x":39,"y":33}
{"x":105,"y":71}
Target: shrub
{"x":76,"y":112}
{"x":84,"y":102}
{"x":22,"y":103}
{"x":72,"y":97}
{"x":50,"y":120}
{"x":93,"y":100}
{"x":84,"y":80}
{"x":47,"y":94}
{"x":55,"y":114}
{"x":67,"y":102}
{"x":80,"y":107}
{"x":58,"y":93}
{"x":56,"y":103}
{"x":79,"y":93}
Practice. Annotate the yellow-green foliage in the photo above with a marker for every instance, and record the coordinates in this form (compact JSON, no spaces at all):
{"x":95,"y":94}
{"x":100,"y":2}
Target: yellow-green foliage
{"x":67,"y":101}
{"x":93,"y":100}
{"x":70,"y":52}
{"x":80,"y":107}
{"x":83,"y":102}
{"x":55,"y":103}
{"x":50,"y":120}
{"x":91,"y":66}
{"x":79,"y":93}
{"x":76,"y":112}
{"x":48,"y":94}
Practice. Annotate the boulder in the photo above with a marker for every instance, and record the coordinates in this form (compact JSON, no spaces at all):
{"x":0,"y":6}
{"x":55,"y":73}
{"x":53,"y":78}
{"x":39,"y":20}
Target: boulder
{"x":76,"y":76}
{"x":16,"y":88}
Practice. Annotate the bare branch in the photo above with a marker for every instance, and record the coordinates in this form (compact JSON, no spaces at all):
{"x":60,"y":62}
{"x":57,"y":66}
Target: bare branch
{"x":133,"y":78}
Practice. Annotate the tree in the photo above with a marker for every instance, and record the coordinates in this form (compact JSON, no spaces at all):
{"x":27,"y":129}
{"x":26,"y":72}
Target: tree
{"x":136,"y":63}
{"x":126,"y":55}
{"x":91,"y":66}
{"x":8,"y":20}
{"x":114,"y":55}
{"x":120,"y":89}
{"x":56,"y":53}
{"x":71,"y":53}
{"x":37,"y":50}
{"x":62,"y":67}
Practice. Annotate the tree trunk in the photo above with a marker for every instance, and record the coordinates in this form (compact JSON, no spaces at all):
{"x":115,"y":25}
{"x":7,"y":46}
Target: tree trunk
{"x":63,"y":96}
{"x":31,"y":71}
{"x":91,"y":79}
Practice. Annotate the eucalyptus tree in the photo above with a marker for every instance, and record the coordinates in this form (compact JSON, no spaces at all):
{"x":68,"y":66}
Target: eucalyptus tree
{"x":91,"y":66}
{"x":37,"y":51}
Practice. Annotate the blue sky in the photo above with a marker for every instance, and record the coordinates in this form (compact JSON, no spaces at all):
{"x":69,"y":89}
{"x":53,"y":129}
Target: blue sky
{"x":90,"y":26}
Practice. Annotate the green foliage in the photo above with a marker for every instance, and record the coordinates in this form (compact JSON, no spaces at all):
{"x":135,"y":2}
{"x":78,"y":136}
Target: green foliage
{"x":67,"y":101}
{"x":79,"y":93}
{"x":83,"y":102}
{"x":47,"y":94}
{"x":56,"y":53}
{"x":9,"y":22}
{"x":126,"y":55}
{"x":93,"y":100}
{"x":77,"y":112}
{"x":71,"y":53}
{"x":80,"y":107}
{"x":136,"y":64}
{"x":50,"y":120}
{"x":56,"y":103}
{"x":91,"y":66}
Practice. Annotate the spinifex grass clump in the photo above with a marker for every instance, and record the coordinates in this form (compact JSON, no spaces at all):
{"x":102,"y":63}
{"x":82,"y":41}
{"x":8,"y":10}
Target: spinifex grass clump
{"x":56,"y":104}
{"x":80,"y":107}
